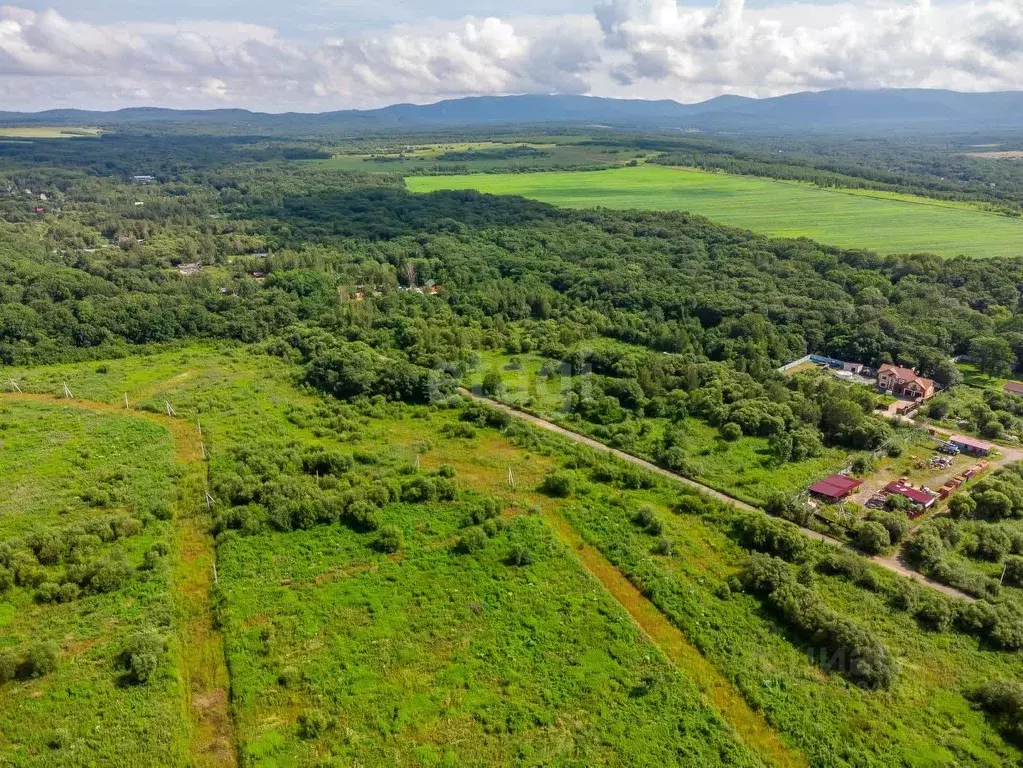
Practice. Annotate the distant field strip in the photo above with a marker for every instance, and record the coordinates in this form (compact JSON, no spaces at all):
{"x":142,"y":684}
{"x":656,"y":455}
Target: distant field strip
{"x":783,"y":209}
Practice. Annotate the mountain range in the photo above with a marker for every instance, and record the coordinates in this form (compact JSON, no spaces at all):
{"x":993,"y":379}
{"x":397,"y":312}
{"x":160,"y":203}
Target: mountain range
{"x":918,"y":110}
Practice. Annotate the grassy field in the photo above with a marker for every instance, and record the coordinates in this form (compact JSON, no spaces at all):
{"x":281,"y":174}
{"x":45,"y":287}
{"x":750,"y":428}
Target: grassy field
{"x":845,"y":218}
{"x":341,"y":653}
{"x":47,"y":132}
{"x":64,"y":469}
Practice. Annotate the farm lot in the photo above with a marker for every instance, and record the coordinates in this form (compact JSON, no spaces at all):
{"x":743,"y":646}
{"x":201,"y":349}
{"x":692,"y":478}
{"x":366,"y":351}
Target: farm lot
{"x":86,"y":493}
{"x":883,"y":223}
{"x":433,"y":654}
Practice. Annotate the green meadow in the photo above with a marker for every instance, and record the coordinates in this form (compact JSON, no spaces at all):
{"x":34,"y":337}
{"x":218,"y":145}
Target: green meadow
{"x":616,"y":639}
{"x":846,"y":218}
{"x":74,"y":589}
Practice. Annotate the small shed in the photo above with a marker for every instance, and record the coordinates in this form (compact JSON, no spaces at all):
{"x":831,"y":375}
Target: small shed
{"x":835,"y":487}
{"x":971,"y":445}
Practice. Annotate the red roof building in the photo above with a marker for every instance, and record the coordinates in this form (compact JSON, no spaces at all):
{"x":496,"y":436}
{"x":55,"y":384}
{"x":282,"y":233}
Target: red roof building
{"x":971,"y":445}
{"x":919,"y":496}
{"x":904,"y":382}
{"x":835,"y":487}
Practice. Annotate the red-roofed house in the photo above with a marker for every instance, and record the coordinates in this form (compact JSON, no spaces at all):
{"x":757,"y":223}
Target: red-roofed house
{"x":835,"y":487}
{"x":918,"y":496}
{"x":904,"y":382}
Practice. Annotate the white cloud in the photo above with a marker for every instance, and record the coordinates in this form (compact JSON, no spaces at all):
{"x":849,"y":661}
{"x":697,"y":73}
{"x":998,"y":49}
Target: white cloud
{"x":650,"y":48}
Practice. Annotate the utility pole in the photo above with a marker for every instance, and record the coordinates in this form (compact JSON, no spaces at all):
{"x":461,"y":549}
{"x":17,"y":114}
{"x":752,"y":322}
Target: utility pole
{"x":15,"y":385}
{"x":1002,"y":577}
{"x":126,"y":406}
{"x":67,"y":392}
{"x":511,"y":479}
{"x":170,"y":409}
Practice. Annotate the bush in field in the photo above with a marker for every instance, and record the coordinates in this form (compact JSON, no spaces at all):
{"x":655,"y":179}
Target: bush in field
{"x":663,"y":546}
{"x":1002,"y":700}
{"x":936,"y":612}
{"x":6,"y":580}
{"x":141,"y":656}
{"x":519,"y":555}
{"x":775,"y":537}
{"x":312,"y":723}
{"x":40,"y":659}
{"x":872,"y":537}
{"x":388,"y":539}
{"x":557,"y":483}
{"x":961,"y":506}
{"x":47,"y":592}
{"x":362,"y":516}
{"x":9,"y":663}
{"x":326,"y":461}
{"x":484,"y":415}
{"x":481,"y":511}
{"x":472,"y":540}
{"x":895,"y":523}
{"x":1013,"y":571}
{"x":990,"y":543}
{"x":850,"y":649}
{"x":731,"y":431}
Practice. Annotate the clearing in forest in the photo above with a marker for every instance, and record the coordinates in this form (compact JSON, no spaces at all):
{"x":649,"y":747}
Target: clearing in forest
{"x":846,"y":218}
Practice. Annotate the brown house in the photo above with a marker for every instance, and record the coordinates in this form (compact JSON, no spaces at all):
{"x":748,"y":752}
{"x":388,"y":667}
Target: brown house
{"x":904,"y":382}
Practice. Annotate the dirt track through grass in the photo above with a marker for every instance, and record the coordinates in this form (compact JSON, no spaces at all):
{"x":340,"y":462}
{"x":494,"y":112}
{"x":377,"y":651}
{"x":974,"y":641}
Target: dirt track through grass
{"x":203,"y":667}
{"x":750,"y":727}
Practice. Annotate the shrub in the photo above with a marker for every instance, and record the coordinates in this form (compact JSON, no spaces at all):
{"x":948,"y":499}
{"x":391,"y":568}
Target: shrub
{"x":109,"y":573}
{"x":519,"y":555}
{"x":312,"y":723}
{"x":1013,"y":571}
{"x":936,"y":613}
{"x":40,"y":659}
{"x":142,"y":655}
{"x":9,"y":663}
{"x":47,"y":592}
{"x":872,"y":537}
{"x":446,"y":470}
{"x":68,"y":592}
{"x":663,"y":546}
{"x":388,"y":539}
{"x":991,"y":543}
{"x":896,"y":524}
{"x":6,"y":579}
{"x":472,"y":540}
{"x":961,"y":506}
{"x":325,"y":461}
{"x":419,"y":489}
{"x":362,"y":516}
{"x":492,"y":384}
{"x":125,"y":526}
{"x":776,"y":537}
{"x":731,"y":431}
{"x":557,"y":483}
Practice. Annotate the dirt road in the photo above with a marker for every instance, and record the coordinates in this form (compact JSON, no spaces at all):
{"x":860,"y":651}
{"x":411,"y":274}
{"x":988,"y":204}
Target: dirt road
{"x":890,"y":563}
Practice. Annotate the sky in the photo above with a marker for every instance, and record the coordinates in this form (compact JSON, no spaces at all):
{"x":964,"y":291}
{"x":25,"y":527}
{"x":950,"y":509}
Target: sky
{"x":321,"y":55}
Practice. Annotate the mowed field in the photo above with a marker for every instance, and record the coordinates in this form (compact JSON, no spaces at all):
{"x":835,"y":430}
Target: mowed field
{"x":844,"y":218}
{"x":46,"y":132}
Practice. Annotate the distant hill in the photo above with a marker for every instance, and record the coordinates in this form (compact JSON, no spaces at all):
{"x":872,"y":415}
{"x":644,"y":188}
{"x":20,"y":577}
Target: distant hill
{"x":916,"y":110}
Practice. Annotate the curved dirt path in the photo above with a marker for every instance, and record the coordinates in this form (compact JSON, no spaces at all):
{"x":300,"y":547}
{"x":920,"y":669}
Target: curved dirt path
{"x":204,"y":668}
{"x":890,"y":563}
